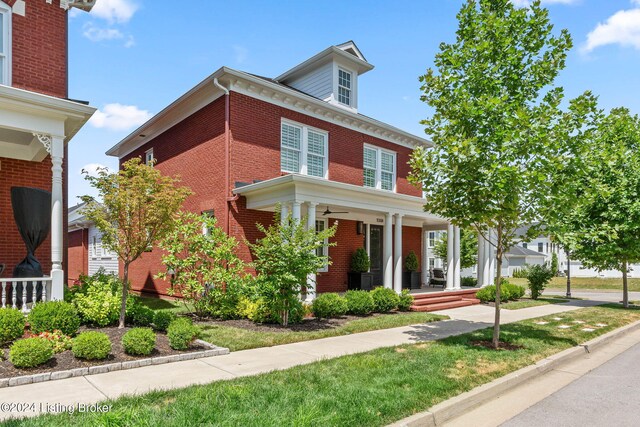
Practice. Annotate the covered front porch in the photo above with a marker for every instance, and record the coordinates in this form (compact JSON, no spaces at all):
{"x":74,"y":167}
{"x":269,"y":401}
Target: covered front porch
{"x":387,"y":224}
{"x":34,"y":131}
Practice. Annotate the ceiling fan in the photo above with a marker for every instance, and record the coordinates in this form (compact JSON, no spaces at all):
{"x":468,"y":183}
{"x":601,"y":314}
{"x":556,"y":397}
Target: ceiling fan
{"x":329,"y":212}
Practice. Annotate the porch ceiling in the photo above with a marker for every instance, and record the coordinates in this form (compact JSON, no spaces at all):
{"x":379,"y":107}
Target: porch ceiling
{"x":361,"y":203}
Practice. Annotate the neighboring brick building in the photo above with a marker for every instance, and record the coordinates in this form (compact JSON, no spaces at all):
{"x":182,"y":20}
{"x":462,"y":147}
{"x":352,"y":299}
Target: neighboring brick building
{"x":37,"y":120}
{"x":245,"y":143}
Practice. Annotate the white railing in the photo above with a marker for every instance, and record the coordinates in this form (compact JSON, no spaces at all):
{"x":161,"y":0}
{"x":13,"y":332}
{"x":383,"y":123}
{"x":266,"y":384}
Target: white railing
{"x":16,"y":292}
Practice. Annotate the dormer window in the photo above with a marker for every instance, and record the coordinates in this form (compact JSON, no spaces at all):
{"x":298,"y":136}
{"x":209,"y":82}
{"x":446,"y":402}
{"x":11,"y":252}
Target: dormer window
{"x":5,"y":44}
{"x":344,"y":87}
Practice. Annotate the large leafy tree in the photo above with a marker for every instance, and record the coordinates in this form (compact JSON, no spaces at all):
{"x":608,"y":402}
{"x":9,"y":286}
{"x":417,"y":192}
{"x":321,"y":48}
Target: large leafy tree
{"x":468,"y":248}
{"x":498,"y":162}
{"x":603,"y":228}
{"x":137,"y":208}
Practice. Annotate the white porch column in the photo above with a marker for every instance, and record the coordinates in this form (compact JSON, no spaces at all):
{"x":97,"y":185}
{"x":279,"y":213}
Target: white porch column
{"x":456,"y":257}
{"x":367,"y":240}
{"x":57,"y":203}
{"x":424,"y":262}
{"x":486,"y":269}
{"x":492,"y":259}
{"x":311,"y":278}
{"x":295,"y":211}
{"x":284,"y":212}
{"x":450,"y":265}
{"x":397,"y":248}
{"x":388,"y":251}
{"x":480,"y":262}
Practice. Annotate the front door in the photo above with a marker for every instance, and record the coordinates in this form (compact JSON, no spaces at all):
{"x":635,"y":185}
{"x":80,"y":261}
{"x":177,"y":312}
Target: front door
{"x":375,"y":253}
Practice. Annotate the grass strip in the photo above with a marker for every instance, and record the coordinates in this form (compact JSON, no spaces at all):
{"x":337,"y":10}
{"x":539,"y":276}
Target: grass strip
{"x":527,"y":302}
{"x":368,"y":389}
{"x":581,"y":283}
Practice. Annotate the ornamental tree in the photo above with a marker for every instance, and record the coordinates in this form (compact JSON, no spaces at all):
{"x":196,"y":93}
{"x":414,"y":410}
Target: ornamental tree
{"x":468,"y":247}
{"x":137,"y":209}
{"x":604,"y":226}
{"x":499,"y":152}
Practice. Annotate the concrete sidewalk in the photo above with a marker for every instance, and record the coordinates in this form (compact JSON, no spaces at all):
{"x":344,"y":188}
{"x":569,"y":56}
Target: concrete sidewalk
{"x":95,"y":388}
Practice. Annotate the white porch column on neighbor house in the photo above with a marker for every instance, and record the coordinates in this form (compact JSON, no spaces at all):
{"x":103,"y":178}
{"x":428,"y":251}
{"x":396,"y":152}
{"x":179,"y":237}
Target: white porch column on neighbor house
{"x":486,"y":270}
{"x":397,"y":248}
{"x":480,"y":262}
{"x":388,"y":251}
{"x":424,"y":262}
{"x":57,"y":203}
{"x":450,"y":266}
{"x":284,"y":212}
{"x":311,"y":225}
{"x":456,"y":257}
{"x":295,"y":211}
{"x":492,"y":259}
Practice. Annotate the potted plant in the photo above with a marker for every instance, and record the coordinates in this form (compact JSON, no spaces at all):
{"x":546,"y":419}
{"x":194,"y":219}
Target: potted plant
{"x":359,"y":276}
{"x":411,"y":277}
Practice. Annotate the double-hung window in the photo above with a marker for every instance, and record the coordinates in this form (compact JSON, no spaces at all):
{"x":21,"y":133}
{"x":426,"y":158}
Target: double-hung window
{"x":379,"y":168}
{"x":432,"y":239}
{"x":5,"y":44}
{"x":344,"y":87}
{"x":303,"y":150}
{"x":148,"y":157}
{"x":321,"y":225}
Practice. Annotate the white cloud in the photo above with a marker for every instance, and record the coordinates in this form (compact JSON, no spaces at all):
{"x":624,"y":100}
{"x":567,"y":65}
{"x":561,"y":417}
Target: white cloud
{"x":130,"y":41}
{"x":623,"y":28}
{"x":92,"y":169}
{"x":118,"y":117}
{"x":115,"y":10}
{"x":526,"y":3}
{"x":97,"y":34}
{"x":241,"y":53}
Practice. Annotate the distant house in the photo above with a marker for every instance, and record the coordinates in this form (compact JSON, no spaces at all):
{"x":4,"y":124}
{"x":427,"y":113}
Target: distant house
{"x":86,"y":253}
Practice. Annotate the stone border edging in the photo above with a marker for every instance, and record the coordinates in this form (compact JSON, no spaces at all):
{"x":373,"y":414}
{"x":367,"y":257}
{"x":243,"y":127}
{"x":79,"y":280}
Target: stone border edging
{"x":118,"y":366}
{"x":456,"y":406}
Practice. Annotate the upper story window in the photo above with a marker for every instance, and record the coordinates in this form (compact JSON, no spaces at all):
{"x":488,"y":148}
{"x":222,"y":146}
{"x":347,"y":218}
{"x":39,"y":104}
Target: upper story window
{"x":524,"y":245}
{"x":540,"y":247}
{"x":5,"y":44}
{"x":432,"y":239}
{"x":148,"y":157}
{"x":344,"y":87}
{"x":303,"y":150}
{"x":379,"y":168}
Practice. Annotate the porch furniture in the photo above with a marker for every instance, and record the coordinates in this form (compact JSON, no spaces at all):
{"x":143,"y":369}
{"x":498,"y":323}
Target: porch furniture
{"x":437,"y":277}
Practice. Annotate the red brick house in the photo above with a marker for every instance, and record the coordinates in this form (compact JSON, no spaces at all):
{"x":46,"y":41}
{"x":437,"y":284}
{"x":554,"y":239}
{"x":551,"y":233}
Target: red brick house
{"x":37,"y":121}
{"x":245,"y":143}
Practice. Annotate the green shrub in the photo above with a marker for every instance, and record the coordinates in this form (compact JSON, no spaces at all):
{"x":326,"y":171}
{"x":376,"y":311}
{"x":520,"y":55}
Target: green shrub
{"x":359,"y":302}
{"x":223,"y":303}
{"x":384,"y":299}
{"x":59,"y":341}
{"x":329,"y":305}
{"x":162,"y":319}
{"x":54,"y":315}
{"x":405,"y":300}
{"x":98,"y":305}
{"x":138,"y":314}
{"x":12,"y":323}
{"x":488,"y":293}
{"x":469,"y":281}
{"x":411,"y":262}
{"x":91,"y":345}
{"x":100,"y":279}
{"x":181,"y":332}
{"x":538,"y":277}
{"x":254,"y":310}
{"x":515,"y":292}
{"x":521,"y":273}
{"x":139,"y":341}
{"x":360,"y":262}
{"x":554,"y":264}
{"x":30,"y":352}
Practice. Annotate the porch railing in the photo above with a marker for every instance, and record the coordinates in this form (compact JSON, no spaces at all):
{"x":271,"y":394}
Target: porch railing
{"x":24,"y":293}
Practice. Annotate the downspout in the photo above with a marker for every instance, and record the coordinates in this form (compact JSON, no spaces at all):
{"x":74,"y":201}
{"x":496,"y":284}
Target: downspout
{"x":227,"y":156}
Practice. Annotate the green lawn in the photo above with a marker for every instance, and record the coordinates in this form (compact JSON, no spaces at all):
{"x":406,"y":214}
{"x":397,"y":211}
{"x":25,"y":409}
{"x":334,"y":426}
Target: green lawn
{"x":369,"y":389}
{"x":241,"y":339}
{"x":528,"y":302}
{"x":581,"y":283}
{"x":163,"y":304}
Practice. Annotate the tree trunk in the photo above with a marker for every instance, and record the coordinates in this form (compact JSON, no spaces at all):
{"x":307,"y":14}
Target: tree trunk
{"x":125,"y":290}
{"x":496,"y":322}
{"x":568,"y":275}
{"x":625,"y":288}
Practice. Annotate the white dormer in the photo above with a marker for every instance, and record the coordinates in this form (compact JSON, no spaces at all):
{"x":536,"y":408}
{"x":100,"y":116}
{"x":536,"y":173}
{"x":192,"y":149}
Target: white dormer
{"x":331,"y":75}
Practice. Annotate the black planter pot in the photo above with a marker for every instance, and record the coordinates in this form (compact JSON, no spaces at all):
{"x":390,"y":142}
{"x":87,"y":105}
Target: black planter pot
{"x":411,"y":280}
{"x":363,"y":281}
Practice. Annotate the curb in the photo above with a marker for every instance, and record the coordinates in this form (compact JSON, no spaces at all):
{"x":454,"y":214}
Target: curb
{"x":118,"y":366}
{"x":456,"y":406}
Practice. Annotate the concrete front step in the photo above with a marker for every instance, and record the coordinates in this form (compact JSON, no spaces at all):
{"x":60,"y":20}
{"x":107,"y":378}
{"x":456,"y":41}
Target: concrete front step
{"x":437,"y":300}
{"x":464,"y":292}
{"x":442,"y":305}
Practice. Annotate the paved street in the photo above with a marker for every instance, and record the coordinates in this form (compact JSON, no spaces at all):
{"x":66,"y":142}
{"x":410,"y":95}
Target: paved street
{"x":605,"y":295}
{"x":606,"y":396}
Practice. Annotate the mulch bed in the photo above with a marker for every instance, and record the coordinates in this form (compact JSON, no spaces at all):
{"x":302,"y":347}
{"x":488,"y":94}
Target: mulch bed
{"x":66,"y":360}
{"x":307,"y":324}
{"x":502,"y":345}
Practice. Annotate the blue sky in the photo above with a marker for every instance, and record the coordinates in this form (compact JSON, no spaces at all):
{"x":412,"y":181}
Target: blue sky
{"x":131,"y":58}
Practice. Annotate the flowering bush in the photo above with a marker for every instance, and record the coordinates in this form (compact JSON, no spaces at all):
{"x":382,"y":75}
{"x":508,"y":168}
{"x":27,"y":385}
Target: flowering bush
{"x":58,"y":340}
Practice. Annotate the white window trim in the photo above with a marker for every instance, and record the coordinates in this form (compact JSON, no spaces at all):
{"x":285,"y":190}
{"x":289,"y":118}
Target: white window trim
{"x":147,"y":161}
{"x":435,"y":237}
{"x":379,"y":167}
{"x":350,"y":89}
{"x":354,"y":87}
{"x":326,"y":244}
{"x":304,"y":147}
{"x":5,"y":15}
